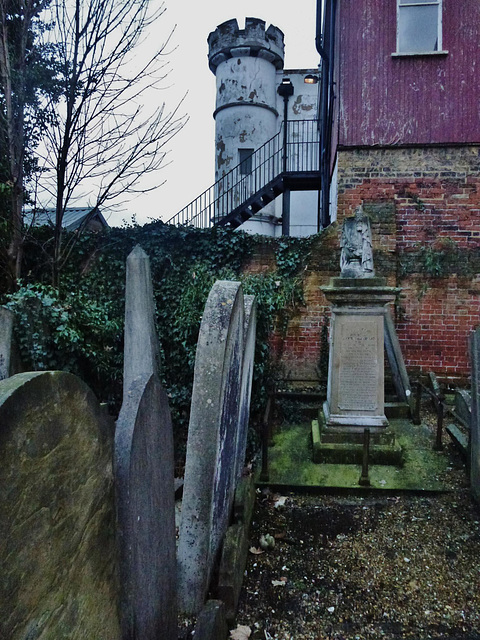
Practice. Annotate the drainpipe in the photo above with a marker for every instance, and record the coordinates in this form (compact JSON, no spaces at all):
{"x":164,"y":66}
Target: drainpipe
{"x":326,"y":103}
{"x":285,"y":90}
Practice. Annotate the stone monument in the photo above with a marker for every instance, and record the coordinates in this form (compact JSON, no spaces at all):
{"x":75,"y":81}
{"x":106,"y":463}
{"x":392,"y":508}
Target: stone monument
{"x":212,"y":442}
{"x":355,"y":392}
{"x":475,"y":423}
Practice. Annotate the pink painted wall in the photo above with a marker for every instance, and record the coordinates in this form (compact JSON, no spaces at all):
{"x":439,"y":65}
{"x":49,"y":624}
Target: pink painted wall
{"x":385,"y":100}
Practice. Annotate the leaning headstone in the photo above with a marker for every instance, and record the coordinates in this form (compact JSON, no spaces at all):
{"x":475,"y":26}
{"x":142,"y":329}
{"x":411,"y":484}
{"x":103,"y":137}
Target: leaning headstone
{"x":6,"y":330}
{"x":250,"y":333}
{"x":141,"y":350}
{"x":146,"y":513}
{"x":463,"y":407}
{"x":211,"y":448}
{"x":57,"y":542}
{"x":475,"y":425}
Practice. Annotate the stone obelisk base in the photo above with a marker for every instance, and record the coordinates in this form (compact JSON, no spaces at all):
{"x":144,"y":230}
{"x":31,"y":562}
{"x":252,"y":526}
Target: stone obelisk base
{"x":355,"y":394}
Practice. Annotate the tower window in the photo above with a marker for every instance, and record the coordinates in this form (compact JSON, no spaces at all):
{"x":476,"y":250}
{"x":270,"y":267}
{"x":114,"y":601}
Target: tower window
{"x":419,"y":26}
{"x":245,"y":161}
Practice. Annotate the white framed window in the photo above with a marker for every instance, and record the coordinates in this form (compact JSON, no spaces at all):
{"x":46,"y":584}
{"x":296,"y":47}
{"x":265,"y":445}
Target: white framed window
{"x":419,"y":26}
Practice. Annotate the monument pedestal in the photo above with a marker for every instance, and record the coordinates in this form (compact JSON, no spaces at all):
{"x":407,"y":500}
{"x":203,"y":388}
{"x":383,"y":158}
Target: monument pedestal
{"x":355,"y":393}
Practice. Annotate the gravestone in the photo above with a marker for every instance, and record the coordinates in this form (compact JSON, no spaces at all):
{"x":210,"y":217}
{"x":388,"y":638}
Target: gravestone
{"x":355,"y":389}
{"x":475,"y":424}
{"x":144,"y":472}
{"x":212,"y":441}
{"x":6,"y":331}
{"x":141,"y":350}
{"x":146,"y":513}
{"x":57,"y":540}
{"x":250,"y":332}
{"x":355,"y":393}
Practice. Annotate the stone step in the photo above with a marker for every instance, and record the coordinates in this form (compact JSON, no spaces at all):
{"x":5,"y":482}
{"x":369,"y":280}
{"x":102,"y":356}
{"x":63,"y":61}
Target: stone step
{"x":397,"y":410}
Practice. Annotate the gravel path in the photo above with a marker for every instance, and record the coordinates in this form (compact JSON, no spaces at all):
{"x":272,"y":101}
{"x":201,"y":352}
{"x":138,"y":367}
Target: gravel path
{"x":352,"y":568}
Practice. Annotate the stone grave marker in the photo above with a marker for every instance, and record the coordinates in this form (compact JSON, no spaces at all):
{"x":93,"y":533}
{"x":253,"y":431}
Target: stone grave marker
{"x":146,"y":513}
{"x":212,"y":441}
{"x":6,"y":330}
{"x":141,"y":350}
{"x":144,"y":472}
{"x":250,"y":332}
{"x":475,"y":424}
{"x":57,"y":540}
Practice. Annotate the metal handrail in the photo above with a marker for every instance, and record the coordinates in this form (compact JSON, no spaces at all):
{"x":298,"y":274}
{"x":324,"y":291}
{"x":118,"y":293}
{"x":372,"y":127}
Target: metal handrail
{"x":236,"y":187}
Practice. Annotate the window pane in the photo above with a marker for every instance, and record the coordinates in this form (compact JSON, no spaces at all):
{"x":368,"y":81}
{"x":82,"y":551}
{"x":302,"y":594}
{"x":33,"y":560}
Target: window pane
{"x":245,"y":161}
{"x":418,"y":29}
{"x":418,"y":2}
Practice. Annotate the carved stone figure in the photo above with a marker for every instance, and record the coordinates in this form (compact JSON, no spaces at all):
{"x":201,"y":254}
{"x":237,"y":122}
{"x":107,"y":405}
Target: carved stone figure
{"x":356,"y":259}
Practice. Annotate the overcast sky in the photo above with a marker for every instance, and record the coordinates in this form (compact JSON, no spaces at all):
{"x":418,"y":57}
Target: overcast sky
{"x":191,"y":152}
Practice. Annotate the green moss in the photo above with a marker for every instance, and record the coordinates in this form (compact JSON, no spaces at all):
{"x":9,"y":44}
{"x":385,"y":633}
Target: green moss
{"x":291,"y":462}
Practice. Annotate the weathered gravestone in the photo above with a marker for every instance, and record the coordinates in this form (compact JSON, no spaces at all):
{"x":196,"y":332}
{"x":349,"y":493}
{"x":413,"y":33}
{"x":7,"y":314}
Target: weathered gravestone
{"x":57,"y":540}
{"x":144,"y":470}
{"x":141,"y":350}
{"x":6,"y":330}
{"x":475,"y":424}
{"x":250,"y":332}
{"x":212,"y":441}
{"x":146,"y":513}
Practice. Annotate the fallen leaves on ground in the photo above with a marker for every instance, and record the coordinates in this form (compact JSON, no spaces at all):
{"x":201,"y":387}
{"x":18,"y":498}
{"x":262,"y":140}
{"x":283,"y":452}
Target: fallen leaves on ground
{"x":366,"y":568}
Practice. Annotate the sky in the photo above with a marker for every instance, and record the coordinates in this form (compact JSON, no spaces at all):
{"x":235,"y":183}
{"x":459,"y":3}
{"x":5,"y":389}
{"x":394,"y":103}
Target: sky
{"x":189,"y":165}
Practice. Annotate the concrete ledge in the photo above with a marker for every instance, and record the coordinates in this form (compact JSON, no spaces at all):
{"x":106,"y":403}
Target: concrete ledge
{"x":211,"y":622}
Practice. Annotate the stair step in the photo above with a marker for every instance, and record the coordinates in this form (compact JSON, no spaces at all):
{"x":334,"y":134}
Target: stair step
{"x":256,"y":206}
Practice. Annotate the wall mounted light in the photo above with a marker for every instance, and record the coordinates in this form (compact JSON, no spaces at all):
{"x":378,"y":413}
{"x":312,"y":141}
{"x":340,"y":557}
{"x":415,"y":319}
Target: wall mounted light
{"x":310,"y":79}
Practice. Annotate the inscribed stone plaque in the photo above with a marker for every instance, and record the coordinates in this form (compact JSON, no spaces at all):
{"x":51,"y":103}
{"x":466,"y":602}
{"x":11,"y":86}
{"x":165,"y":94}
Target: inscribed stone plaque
{"x":358,"y":370}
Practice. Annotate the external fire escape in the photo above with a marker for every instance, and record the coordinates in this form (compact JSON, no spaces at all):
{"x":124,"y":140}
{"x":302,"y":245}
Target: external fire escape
{"x":290,"y":161}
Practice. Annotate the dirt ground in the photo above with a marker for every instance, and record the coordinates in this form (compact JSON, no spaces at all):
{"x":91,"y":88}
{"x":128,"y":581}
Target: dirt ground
{"x":379,"y":566}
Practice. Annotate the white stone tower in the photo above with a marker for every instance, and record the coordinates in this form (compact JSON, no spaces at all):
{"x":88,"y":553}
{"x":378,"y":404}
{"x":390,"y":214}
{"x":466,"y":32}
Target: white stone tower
{"x":245,"y":63}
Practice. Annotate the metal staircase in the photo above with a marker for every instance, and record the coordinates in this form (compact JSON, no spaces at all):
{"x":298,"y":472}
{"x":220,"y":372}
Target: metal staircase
{"x":250,"y":186}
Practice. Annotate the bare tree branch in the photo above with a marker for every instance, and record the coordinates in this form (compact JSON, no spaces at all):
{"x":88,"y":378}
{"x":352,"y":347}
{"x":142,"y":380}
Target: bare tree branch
{"x":104,"y":136}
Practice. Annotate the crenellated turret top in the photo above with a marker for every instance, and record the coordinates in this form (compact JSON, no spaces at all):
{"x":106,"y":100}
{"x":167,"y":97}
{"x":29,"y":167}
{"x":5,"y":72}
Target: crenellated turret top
{"x":228,"y":41}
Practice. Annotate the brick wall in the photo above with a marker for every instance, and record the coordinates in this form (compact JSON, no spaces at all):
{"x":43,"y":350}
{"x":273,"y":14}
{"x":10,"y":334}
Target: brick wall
{"x":434,"y":195}
{"x":424,"y":205}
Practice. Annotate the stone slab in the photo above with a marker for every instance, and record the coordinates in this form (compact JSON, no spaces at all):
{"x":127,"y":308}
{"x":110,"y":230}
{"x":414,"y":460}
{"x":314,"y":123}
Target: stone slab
{"x":475,"y":426}
{"x":400,"y":377}
{"x":57,"y":522}
{"x":211,"y":622}
{"x":145,"y":492}
{"x":250,"y":332}
{"x":235,"y":549}
{"x":6,"y":337}
{"x":463,"y":407}
{"x":212,"y":441}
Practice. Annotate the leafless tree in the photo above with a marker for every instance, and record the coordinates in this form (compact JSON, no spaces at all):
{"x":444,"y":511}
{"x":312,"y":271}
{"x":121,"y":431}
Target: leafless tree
{"x":103,"y":139}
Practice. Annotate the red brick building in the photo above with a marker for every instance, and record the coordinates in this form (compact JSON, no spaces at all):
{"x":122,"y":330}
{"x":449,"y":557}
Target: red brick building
{"x":400,"y":117}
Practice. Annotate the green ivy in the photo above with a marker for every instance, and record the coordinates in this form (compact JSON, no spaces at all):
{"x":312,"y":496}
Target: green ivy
{"x":79,"y":327}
